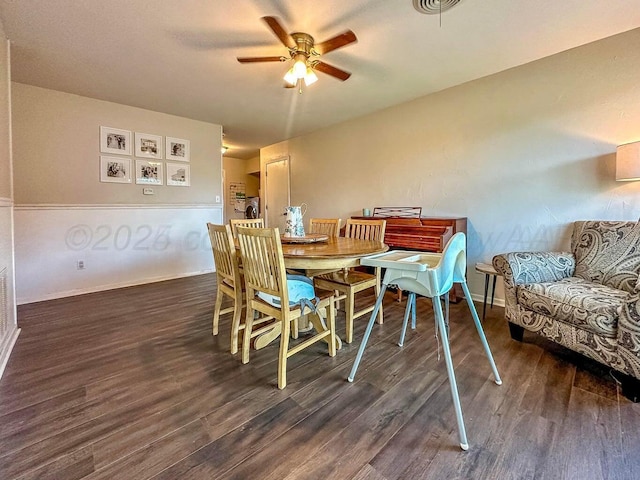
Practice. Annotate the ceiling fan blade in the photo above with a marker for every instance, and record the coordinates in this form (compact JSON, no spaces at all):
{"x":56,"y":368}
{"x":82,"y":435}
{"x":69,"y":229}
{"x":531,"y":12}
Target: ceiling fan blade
{"x":260,"y":59}
{"x":277,"y":28}
{"x":336,"y":42}
{"x":331,"y":70}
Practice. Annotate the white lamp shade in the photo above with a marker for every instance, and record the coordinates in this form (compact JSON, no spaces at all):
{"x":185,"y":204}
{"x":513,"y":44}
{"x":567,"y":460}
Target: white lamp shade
{"x":290,"y":77}
{"x":299,"y":68}
{"x":628,"y":162}
{"x":310,"y":77}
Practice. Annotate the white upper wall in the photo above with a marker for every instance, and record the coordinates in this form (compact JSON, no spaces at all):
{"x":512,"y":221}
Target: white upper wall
{"x":522,"y":153}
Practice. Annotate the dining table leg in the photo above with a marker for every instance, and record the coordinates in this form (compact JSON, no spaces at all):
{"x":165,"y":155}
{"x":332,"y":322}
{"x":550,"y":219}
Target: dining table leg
{"x":320,"y":325}
{"x":304,"y":324}
{"x":268,"y":337}
{"x":315,"y":321}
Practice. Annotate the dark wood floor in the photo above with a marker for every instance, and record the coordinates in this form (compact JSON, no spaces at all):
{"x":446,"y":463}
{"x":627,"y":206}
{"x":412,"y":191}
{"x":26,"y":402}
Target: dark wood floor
{"x":130,"y":384}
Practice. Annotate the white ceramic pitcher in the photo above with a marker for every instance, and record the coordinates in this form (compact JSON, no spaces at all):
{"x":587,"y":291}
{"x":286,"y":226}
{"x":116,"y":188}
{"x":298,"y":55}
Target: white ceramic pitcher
{"x":293,"y":224}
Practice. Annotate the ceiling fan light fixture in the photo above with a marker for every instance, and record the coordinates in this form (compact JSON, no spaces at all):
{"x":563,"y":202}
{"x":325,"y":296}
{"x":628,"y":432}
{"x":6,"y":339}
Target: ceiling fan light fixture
{"x":300,"y":65}
{"x":310,"y":77}
{"x":304,"y":51}
{"x":290,"y":77}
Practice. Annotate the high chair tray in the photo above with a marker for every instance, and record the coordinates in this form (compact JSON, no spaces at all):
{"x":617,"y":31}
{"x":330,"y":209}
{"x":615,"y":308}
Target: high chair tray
{"x":403,"y":260}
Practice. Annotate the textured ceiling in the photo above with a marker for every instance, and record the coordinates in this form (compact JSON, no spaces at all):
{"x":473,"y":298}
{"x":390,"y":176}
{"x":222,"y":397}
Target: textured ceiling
{"x":179,"y":57}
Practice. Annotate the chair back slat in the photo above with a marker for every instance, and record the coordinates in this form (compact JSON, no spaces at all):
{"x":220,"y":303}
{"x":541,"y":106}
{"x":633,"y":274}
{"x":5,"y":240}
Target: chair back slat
{"x":224,"y":252}
{"x":326,"y":226}
{"x":245,"y":222}
{"x":263,"y":262}
{"x":365,"y":229}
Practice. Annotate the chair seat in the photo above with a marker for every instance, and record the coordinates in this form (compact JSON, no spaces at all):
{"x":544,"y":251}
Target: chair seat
{"x":351,"y":281}
{"x":350,"y":277}
{"x":320,"y":294}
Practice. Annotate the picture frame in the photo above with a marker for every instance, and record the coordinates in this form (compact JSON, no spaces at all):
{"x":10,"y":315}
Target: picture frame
{"x":115,"y":141}
{"x":177,"y":149}
{"x":178,"y":175}
{"x":149,"y":172}
{"x":115,"y":169}
{"x":148,"y":145}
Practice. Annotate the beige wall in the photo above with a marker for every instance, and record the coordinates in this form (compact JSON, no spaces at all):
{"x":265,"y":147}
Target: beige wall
{"x":57,"y":151}
{"x":5,"y":120}
{"x":253,"y":165}
{"x":522,"y":153}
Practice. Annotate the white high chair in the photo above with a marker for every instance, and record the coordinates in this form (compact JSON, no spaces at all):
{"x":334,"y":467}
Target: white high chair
{"x":430,"y":275}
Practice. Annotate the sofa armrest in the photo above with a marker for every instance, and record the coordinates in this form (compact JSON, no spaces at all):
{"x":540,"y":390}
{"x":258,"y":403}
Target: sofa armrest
{"x":534,"y":267}
{"x":629,"y":337}
{"x":528,"y":267}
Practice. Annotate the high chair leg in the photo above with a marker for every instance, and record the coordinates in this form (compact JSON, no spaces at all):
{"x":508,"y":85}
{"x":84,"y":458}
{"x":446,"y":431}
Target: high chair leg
{"x":410,"y":308}
{"x":437,"y":308}
{"x":483,"y":339}
{"x":367,"y":332}
{"x":413,"y":312}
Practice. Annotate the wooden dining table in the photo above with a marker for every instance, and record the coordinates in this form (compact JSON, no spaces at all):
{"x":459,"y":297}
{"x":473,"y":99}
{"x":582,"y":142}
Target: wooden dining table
{"x":318,"y":257}
{"x":331,"y":254}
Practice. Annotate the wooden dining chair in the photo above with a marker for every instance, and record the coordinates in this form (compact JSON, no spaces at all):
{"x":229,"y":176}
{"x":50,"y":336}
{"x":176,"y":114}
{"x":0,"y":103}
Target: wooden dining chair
{"x":265,"y":273}
{"x":245,"y":222}
{"x":349,"y":282}
{"x":327,"y":226}
{"x":230,"y":281}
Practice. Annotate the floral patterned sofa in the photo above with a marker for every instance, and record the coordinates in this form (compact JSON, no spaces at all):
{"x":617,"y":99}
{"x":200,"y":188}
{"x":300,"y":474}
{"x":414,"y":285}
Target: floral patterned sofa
{"x":587,"y":300}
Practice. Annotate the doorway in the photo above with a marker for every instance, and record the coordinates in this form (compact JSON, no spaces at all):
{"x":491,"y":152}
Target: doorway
{"x":276,"y":185}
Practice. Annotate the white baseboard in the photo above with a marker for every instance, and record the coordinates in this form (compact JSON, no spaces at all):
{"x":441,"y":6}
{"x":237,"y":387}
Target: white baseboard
{"x":7,"y":346}
{"x":480,"y":298}
{"x":102,"y":288}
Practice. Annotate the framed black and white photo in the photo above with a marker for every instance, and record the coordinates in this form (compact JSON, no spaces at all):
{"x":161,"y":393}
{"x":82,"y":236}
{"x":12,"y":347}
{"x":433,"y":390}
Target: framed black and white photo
{"x":148,"y":173}
{"x":178,"y":174}
{"x":115,"y":169}
{"x":114,"y":140}
{"x":177,"y":149}
{"x":148,"y":146}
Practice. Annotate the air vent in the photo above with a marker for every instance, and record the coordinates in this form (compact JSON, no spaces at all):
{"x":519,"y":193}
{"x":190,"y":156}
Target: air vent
{"x":434,"y":7}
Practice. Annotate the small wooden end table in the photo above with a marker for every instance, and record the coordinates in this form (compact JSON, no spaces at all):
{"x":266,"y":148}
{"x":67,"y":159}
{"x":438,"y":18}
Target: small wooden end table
{"x":488,"y":271}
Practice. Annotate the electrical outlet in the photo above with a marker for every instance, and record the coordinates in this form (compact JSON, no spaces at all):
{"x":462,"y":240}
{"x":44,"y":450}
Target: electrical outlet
{"x":80,"y":264}
{"x":147,"y":191}
{"x":217,"y":198}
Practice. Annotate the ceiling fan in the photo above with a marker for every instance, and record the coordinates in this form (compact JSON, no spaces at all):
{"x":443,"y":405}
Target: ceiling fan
{"x":303,"y":51}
